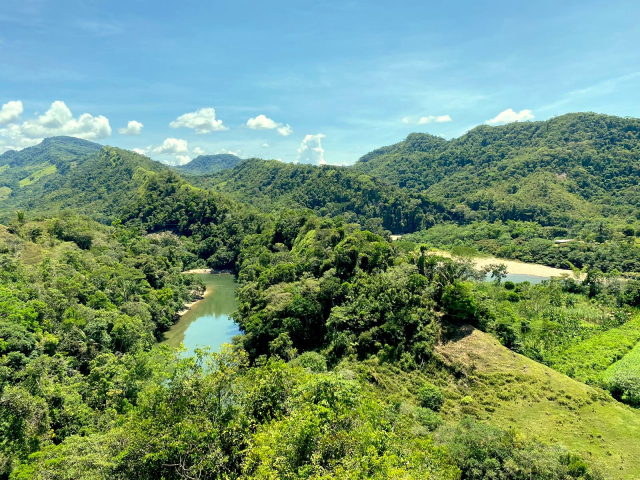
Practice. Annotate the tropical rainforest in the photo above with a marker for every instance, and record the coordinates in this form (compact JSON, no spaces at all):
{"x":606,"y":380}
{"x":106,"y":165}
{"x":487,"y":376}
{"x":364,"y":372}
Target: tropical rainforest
{"x":359,"y":356}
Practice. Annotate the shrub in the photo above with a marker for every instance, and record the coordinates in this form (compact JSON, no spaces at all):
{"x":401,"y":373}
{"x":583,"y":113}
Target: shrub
{"x":313,"y":361}
{"x":431,"y":397}
{"x":513,"y":297}
{"x":509,"y":285}
{"x":428,"y":418}
{"x":467,"y":400}
{"x":625,"y":386}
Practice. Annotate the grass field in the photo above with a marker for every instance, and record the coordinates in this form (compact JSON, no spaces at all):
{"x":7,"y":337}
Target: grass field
{"x":512,"y":391}
{"x":38,"y":174}
{"x":629,"y":363}
{"x":588,"y":360}
{"x":4,"y":193}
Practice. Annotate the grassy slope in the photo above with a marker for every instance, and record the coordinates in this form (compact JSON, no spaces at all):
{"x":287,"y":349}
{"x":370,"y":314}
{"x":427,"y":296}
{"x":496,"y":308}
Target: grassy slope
{"x":511,"y":390}
{"x":588,"y":360}
{"x":629,"y":363}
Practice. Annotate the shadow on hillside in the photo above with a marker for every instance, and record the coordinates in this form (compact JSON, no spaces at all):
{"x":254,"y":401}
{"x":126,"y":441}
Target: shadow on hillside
{"x":454,"y":332}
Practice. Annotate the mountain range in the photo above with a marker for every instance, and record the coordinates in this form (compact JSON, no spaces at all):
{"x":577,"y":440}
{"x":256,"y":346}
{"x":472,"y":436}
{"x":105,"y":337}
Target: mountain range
{"x":562,"y":171}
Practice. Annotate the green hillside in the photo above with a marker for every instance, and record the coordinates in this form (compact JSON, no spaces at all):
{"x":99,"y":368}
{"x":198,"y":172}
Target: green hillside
{"x":91,"y":179}
{"x":273,"y":185}
{"x":356,"y":357}
{"x":208,"y":164}
{"x":554,"y":172}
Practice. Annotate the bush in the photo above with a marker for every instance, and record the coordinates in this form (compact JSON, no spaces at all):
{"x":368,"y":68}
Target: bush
{"x":513,"y":297}
{"x":313,"y":361}
{"x":428,"y":418}
{"x":431,"y":397}
{"x":625,"y":386}
{"x":509,"y":285}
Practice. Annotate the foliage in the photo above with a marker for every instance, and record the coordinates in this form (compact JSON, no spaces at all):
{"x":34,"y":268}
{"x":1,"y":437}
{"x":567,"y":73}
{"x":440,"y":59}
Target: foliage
{"x":431,"y":397}
{"x":88,"y":178}
{"x":341,"y":291}
{"x":328,"y":190}
{"x":596,"y":245}
{"x":556,"y":172}
{"x":623,"y":377}
{"x":482,"y":451}
{"x":208,"y":164}
{"x":76,"y":327}
{"x":216,"y":225}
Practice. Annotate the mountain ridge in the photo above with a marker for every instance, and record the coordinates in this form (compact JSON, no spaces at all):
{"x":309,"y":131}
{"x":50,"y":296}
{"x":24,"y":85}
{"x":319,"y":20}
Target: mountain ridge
{"x":209,"y":164}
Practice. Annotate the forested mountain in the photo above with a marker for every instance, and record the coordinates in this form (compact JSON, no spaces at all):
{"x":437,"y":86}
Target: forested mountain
{"x":358,"y":357}
{"x":555,"y":172}
{"x":53,"y":156}
{"x":66,"y":173}
{"x":273,"y":185}
{"x":208,"y":164}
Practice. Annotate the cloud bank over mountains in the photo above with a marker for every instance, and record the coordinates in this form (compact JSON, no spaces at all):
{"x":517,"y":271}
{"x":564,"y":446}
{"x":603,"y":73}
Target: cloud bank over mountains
{"x":17,"y":132}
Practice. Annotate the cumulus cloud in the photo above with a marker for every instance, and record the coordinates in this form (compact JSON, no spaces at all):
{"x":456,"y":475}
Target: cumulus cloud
{"x":202,"y":121}
{"x":262,"y":122}
{"x":172,"y":146}
{"x":509,"y":116}
{"x":182,"y":159}
{"x":311,"y":151}
{"x":406,"y":120}
{"x":434,"y":119}
{"x":198,"y":151}
{"x":132,"y":128}
{"x":237,"y":153}
{"x":58,"y":120}
{"x":10,"y":112}
{"x":285,"y":130}
{"x":266,"y":145}
{"x":140,"y":151}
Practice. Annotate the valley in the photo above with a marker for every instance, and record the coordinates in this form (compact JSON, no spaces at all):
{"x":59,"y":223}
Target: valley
{"x":334,"y":351}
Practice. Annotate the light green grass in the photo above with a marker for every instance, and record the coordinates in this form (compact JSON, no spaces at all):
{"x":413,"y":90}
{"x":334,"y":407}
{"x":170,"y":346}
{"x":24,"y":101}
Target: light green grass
{"x":587,"y":361}
{"x":512,"y":391}
{"x":3,"y":168}
{"x":37,"y":175}
{"x":629,"y":363}
{"x":4,"y":193}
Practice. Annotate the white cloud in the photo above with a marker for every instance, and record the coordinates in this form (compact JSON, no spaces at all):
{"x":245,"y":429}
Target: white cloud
{"x":140,"y":151}
{"x":10,"y":112}
{"x":266,"y":145}
{"x":310,"y":154}
{"x":132,"y":128}
{"x":172,"y":146}
{"x":182,"y":159}
{"x":509,"y":116}
{"x":262,"y":122}
{"x":237,"y":153}
{"x":285,"y":130}
{"x":58,"y":120}
{"x":433,"y":118}
{"x":406,"y":120}
{"x":198,"y":151}
{"x":202,"y":121}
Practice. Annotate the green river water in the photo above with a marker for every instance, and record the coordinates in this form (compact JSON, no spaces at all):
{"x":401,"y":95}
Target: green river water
{"x":208,"y":322}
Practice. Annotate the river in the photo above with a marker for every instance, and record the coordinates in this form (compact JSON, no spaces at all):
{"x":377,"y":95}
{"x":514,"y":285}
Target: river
{"x":208,"y":322}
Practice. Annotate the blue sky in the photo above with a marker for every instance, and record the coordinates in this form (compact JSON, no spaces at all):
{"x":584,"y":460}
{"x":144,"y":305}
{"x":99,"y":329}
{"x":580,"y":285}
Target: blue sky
{"x":323,"y":80}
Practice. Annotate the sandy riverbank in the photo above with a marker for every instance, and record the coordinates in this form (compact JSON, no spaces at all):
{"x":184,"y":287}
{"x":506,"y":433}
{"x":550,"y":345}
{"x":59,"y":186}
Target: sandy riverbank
{"x":515,"y":267}
{"x":189,"y":306}
{"x":206,"y":270}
